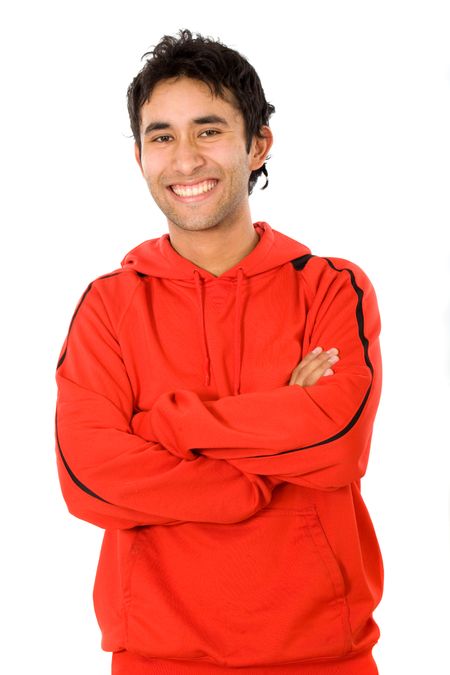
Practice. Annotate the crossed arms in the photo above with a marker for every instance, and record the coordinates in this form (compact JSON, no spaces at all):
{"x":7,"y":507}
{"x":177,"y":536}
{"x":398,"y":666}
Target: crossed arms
{"x":189,"y":459}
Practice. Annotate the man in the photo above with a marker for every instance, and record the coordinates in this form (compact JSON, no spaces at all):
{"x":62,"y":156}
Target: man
{"x":199,"y":420}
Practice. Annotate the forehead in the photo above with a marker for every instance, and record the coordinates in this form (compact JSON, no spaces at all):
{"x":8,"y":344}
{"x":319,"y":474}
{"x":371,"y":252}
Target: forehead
{"x":185,"y":97}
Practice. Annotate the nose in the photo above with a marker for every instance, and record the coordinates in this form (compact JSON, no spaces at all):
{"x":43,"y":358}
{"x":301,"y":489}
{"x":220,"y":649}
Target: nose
{"x":187,"y":156}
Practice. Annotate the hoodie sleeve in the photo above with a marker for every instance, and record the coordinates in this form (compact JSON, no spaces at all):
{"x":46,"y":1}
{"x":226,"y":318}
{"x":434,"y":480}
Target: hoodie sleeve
{"x":317,"y":436}
{"x":114,"y":478}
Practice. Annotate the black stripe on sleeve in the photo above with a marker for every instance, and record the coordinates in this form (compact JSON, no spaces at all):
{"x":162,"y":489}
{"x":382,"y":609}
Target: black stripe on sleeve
{"x":299,"y":264}
{"x":63,"y":356}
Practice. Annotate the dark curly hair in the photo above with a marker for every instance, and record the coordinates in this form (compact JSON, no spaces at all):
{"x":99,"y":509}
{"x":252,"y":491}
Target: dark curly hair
{"x":215,"y":64}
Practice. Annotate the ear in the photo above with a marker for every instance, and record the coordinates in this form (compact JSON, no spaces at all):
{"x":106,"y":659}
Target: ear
{"x":260,"y":148}
{"x":137,"y":156}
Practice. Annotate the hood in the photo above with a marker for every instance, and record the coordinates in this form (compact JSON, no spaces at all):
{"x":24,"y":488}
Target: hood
{"x":158,"y":258}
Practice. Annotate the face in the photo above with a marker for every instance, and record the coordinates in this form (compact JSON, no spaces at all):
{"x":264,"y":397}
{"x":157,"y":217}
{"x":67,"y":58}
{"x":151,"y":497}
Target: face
{"x":193,"y":155}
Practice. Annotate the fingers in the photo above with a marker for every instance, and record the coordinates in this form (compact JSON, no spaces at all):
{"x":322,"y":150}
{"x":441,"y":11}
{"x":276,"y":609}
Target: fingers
{"x":313,"y":366}
{"x":317,"y":355}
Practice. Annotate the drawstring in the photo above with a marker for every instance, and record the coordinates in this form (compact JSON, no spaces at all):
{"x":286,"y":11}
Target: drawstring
{"x":236,"y":336}
{"x":207,"y":361}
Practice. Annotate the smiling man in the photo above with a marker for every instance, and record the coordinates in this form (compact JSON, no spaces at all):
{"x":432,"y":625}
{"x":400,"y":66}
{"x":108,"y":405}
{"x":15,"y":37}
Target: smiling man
{"x":199,"y":420}
{"x":192,"y":152}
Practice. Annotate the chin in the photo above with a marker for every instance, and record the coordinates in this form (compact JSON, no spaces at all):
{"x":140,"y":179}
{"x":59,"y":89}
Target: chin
{"x":193,"y":225}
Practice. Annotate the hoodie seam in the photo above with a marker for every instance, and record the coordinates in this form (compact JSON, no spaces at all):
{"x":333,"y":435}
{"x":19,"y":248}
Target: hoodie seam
{"x":130,"y":301}
{"x":305,"y":278}
{"x":95,"y":286}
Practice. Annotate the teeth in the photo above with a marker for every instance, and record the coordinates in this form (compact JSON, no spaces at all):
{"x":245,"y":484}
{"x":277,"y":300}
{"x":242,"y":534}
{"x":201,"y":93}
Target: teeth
{"x":194,"y":190}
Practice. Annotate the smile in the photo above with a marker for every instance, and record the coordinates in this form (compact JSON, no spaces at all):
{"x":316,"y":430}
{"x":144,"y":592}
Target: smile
{"x":193,"y":190}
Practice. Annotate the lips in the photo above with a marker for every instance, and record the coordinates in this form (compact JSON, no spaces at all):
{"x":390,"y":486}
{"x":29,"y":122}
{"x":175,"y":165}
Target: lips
{"x":194,"y":189}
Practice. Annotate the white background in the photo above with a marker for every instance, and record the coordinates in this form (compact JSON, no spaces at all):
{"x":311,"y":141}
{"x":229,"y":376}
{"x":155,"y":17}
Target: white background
{"x":359,"y":169}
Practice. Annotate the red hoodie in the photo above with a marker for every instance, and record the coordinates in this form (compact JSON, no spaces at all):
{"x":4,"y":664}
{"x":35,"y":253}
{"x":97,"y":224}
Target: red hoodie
{"x":236,"y":535}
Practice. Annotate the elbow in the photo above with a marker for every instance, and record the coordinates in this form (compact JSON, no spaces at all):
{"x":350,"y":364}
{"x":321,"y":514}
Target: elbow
{"x":87,"y":516}
{"x":102,"y":520}
{"x":353,"y":455}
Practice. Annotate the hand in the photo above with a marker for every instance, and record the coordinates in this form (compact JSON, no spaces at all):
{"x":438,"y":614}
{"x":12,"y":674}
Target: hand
{"x":313,"y":366}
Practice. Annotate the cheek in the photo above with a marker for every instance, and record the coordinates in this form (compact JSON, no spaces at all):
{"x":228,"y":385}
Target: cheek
{"x":229,"y":156}
{"x":152,"y":167}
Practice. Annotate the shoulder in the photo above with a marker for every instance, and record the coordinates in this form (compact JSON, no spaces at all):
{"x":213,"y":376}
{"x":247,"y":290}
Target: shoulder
{"x":319,"y":271}
{"x":119,"y":281}
{"x":111,"y":293}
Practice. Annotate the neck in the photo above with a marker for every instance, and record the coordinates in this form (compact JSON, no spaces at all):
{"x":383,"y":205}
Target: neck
{"x":215,"y":249}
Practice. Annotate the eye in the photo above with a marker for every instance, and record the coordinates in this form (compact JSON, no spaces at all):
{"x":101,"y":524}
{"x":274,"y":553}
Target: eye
{"x":158,"y":137}
{"x":207,"y":131}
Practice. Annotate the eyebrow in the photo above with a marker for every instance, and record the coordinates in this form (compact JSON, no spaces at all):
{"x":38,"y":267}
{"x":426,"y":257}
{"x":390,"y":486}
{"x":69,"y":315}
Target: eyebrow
{"x":207,"y":119}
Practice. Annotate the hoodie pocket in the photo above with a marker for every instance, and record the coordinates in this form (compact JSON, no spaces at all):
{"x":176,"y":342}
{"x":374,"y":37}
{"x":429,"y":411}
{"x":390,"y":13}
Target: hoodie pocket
{"x":268,"y":589}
